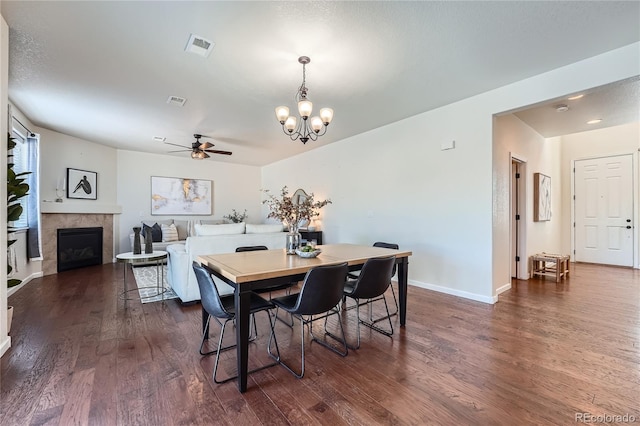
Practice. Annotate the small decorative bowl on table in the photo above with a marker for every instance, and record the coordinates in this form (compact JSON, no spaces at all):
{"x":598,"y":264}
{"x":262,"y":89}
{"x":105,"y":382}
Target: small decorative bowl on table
{"x":308,"y":254}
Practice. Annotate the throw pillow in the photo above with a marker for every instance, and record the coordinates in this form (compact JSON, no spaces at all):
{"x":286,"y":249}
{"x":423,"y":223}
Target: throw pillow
{"x":156,"y":232}
{"x":169,"y":233}
{"x":263,"y":228}
{"x":183,"y":229}
{"x":226,"y":229}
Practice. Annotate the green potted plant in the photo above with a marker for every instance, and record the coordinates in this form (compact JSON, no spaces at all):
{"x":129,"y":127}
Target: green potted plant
{"x":235,"y":217}
{"x":16,"y":188}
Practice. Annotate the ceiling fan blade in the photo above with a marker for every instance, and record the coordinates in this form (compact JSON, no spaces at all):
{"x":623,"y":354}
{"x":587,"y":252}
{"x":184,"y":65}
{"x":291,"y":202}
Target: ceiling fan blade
{"x":206,"y":155}
{"x":182,"y":146}
{"x":215,"y":151}
{"x":205,"y":145}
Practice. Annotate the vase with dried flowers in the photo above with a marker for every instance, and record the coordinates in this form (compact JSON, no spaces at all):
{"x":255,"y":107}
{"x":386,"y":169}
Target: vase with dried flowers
{"x":291,"y":210}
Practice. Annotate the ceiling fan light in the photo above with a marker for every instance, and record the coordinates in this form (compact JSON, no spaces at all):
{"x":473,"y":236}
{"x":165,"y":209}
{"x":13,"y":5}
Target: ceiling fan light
{"x":326,"y":114}
{"x":282,"y":113}
{"x":305,"y":107}
{"x":290,"y":124}
{"x":316,"y":124}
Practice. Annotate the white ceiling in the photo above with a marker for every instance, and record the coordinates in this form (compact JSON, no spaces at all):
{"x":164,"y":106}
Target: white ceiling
{"x":102,"y":71}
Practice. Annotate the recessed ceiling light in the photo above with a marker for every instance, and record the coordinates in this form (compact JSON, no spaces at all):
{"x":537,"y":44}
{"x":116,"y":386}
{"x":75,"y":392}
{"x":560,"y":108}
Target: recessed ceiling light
{"x":176,"y":100}
{"x":562,"y":108}
{"x":573,"y":98}
{"x":595,"y":121}
{"x":159,"y":139}
{"x":199,"y":45}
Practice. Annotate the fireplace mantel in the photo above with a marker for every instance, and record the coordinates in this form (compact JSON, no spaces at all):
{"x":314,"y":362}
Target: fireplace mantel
{"x":81,"y":208}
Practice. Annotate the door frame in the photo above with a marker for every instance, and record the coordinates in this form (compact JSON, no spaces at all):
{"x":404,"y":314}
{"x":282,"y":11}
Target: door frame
{"x":634,"y":184}
{"x":522,"y":268}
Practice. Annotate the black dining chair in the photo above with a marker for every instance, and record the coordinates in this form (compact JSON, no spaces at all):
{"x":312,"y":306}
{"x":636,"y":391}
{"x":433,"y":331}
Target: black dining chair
{"x":277,"y":287}
{"x":354,"y":275}
{"x":372,"y":282}
{"x":223,"y":308}
{"x":321,"y":292}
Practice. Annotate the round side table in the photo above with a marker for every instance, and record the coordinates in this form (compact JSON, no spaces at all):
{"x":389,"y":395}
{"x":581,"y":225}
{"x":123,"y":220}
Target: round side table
{"x":130,"y":258}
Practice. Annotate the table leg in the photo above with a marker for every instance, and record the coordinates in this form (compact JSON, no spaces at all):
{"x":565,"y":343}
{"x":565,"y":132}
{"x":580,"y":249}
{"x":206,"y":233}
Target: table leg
{"x":242,"y":299}
{"x":125,"y":284}
{"x":403,"y":269}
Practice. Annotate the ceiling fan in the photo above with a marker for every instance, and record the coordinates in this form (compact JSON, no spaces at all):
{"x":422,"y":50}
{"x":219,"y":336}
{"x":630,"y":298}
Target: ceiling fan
{"x":199,"y":149}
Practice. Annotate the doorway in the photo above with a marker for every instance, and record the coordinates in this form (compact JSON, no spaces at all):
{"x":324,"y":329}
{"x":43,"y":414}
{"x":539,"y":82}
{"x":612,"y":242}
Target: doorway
{"x":603,"y":210}
{"x":517,"y":199}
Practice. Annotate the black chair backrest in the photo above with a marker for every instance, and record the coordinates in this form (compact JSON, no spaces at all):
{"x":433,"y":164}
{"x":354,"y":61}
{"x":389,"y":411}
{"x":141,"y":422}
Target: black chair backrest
{"x":251,"y":248}
{"x":322,"y":289}
{"x":209,"y":295}
{"x":374,"y":278}
{"x":389,"y":246}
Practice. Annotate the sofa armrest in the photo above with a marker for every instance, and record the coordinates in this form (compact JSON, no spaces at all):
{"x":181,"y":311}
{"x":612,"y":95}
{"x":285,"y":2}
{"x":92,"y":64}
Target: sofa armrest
{"x":177,"y":273}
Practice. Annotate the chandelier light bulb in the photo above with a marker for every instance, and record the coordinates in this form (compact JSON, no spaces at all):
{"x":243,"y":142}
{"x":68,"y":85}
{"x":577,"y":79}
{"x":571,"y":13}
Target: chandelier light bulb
{"x":290,"y":124}
{"x":305,"y":107}
{"x":316,"y":124}
{"x":326,"y":114}
{"x":282,"y":113}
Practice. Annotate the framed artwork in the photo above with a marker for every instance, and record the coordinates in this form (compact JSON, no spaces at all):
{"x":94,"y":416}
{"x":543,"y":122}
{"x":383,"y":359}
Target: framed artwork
{"x":82,"y":184}
{"x":181,"y":196}
{"x":541,"y":197}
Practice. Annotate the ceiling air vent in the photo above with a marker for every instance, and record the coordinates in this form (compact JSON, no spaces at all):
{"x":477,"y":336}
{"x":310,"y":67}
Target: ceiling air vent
{"x":199,"y":45}
{"x":159,"y":139}
{"x":176,"y":100}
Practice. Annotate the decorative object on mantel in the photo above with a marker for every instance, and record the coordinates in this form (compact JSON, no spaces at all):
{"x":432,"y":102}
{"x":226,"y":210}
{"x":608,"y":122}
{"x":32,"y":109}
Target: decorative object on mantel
{"x":17,"y":188}
{"x":235,"y":217}
{"x":137,"y":248}
{"x":148,"y":241}
{"x":82,"y":184}
{"x":60,"y":189}
{"x":301,"y":129}
{"x":291,"y":210}
{"x":541,"y":197}
{"x":181,"y":196}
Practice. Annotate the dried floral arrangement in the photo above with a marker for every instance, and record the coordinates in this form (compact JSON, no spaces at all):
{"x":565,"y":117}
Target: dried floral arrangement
{"x":284,"y":209}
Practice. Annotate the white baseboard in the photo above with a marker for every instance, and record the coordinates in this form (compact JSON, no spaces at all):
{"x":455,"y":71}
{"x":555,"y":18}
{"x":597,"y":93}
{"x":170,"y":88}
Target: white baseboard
{"x":454,"y":292}
{"x":5,"y":345}
{"x":502,"y":289}
{"x":24,"y":282}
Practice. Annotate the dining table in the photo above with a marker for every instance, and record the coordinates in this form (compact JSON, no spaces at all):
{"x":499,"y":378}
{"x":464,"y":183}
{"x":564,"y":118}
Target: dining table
{"x":255,"y":270}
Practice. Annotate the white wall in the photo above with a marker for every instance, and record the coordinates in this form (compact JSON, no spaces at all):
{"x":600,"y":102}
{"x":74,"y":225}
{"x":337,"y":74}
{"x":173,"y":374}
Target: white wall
{"x":234,"y":187}
{"x":512,"y":136}
{"x":597,"y":143}
{"x":59,"y":151}
{"x":393,"y":183}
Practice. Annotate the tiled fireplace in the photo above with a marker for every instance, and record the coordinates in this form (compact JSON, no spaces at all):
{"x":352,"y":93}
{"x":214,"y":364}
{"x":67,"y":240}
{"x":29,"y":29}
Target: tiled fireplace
{"x":51,"y":222}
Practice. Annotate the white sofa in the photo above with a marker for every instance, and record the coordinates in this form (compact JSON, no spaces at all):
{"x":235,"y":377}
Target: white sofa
{"x":180,"y":275}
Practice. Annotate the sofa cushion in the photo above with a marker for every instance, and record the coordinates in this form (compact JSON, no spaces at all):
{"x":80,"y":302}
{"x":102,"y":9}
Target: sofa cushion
{"x":156,"y":232}
{"x":183,"y":229}
{"x":263,"y":228}
{"x":226,"y":229}
{"x":169,"y":233}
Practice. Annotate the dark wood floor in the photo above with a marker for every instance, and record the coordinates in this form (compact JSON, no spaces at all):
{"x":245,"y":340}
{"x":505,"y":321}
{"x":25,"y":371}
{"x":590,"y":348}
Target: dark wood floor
{"x":542,"y":354}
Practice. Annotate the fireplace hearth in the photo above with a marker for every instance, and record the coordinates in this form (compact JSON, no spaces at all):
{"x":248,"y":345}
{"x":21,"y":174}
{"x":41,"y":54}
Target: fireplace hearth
{"x":79,"y":247}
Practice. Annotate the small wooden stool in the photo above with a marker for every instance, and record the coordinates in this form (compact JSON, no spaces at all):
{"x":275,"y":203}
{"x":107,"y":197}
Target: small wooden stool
{"x":547,"y":264}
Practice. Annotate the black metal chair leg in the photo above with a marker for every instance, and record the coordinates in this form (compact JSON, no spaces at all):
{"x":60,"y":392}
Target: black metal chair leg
{"x":215,"y":368}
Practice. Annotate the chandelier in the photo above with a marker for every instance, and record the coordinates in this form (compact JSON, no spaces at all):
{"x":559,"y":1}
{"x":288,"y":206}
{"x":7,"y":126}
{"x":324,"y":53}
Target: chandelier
{"x":306,"y":128}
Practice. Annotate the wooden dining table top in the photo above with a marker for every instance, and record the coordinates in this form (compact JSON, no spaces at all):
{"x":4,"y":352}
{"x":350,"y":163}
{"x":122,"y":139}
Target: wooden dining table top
{"x":264,"y":264}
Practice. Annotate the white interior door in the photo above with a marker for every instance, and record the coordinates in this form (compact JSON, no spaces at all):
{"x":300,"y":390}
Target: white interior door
{"x":604,"y":210}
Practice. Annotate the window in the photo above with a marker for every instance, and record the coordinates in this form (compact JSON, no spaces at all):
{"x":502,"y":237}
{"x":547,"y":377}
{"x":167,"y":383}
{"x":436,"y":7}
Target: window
{"x":19,"y":160}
